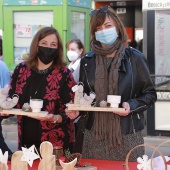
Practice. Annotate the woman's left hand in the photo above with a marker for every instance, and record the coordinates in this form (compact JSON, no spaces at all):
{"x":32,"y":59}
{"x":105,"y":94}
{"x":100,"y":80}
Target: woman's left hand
{"x":125,"y":112}
{"x":48,"y":117}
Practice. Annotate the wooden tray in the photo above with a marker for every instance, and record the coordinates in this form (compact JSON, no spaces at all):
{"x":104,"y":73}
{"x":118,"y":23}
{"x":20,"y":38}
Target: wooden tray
{"x":21,"y":112}
{"x":90,"y":108}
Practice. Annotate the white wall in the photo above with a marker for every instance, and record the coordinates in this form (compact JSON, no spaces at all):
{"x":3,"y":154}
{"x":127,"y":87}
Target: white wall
{"x":162,"y":115}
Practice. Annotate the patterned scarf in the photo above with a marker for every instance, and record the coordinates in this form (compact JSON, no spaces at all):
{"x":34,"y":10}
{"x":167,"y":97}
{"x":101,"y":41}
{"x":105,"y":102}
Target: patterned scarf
{"x":106,"y":124}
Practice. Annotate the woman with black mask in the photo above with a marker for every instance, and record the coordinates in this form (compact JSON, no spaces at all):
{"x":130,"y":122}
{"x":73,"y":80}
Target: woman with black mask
{"x":44,"y":75}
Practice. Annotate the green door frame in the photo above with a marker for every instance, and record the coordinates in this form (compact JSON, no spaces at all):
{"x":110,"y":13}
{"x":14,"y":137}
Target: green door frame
{"x":8,"y":32}
{"x":61,"y":21}
{"x":87,"y":18}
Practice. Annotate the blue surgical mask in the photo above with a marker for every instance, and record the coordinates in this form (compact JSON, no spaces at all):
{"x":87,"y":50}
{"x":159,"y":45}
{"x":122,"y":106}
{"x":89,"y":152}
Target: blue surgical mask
{"x":106,"y":36}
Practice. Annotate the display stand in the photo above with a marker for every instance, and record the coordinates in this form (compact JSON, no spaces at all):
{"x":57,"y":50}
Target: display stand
{"x":91,"y":108}
{"x":24,"y":113}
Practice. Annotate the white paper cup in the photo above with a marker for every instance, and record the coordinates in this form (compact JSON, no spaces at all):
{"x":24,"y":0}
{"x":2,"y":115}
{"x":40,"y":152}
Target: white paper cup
{"x":36,"y":105}
{"x":113,"y":99}
{"x":116,"y":105}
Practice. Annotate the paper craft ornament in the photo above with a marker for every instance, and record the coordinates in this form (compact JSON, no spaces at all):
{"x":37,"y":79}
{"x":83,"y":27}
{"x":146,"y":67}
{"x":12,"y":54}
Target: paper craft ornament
{"x":6,"y":102}
{"x":3,"y":160}
{"x":87,"y":100}
{"x":29,"y":155}
{"x":80,"y":98}
{"x":48,"y":160}
{"x":158,"y":163}
{"x":144,"y":163}
{"x":69,"y":165}
{"x":16,"y":163}
{"x":78,"y":90}
{"x":46,"y":148}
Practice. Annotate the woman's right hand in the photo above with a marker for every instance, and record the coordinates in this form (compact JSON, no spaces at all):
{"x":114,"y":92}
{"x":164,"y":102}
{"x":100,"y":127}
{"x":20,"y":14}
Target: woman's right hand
{"x":72,"y":114}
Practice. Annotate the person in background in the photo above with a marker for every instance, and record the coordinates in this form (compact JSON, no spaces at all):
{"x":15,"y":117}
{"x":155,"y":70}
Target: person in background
{"x":140,"y":45}
{"x":133,"y":44}
{"x":75,"y":52}
{"x":4,"y":80}
{"x":44,"y":75}
{"x":111,"y":68}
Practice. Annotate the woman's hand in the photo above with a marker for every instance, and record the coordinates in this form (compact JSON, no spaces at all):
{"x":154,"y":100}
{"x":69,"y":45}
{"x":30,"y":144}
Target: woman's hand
{"x":72,"y":114}
{"x":125,"y":112}
{"x":48,"y":117}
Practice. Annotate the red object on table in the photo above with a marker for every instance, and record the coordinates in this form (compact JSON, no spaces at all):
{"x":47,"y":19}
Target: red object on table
{"x":100,"y":164}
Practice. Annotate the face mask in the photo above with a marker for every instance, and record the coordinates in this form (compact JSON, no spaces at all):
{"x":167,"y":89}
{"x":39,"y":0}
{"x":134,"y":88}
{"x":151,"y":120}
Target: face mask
{"x":106,"y":36}
{"x":46,"y":54}
{"x":72,"y":55}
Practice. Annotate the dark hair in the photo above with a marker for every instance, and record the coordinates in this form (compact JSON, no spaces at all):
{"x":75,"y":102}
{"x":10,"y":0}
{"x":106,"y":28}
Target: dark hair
{"x":98,"y":17}
{"x":133,"y":44}
{"x":79,"y":45}
{"x":32,"y":60}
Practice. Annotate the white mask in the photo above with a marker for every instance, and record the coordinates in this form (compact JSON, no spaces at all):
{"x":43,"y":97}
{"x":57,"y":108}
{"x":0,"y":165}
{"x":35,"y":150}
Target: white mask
{"x":72,"y":55}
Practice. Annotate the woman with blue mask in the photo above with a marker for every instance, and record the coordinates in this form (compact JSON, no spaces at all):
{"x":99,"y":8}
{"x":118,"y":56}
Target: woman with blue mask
{"x":112,"y":68}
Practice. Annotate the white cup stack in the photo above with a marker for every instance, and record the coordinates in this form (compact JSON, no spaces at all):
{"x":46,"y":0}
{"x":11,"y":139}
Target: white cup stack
{"x":36,"y":105}
{"x":114,"y":100}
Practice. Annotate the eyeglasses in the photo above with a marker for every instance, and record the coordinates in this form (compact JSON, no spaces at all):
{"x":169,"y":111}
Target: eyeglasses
{"x":101,"y":9}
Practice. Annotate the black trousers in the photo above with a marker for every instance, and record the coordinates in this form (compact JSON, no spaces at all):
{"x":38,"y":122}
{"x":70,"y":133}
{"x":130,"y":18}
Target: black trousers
{"x":3,"y":145}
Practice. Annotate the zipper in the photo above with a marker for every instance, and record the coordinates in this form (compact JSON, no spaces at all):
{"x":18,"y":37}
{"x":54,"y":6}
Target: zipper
{"x":132,"y":78}
{"x":134,"y":131}
{"x":138,"y":108}
{"x":137,"y":116}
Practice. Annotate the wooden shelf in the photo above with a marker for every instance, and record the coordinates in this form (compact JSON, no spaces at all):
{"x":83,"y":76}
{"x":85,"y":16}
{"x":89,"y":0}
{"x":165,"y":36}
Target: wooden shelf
{"x":90,"y":108}
{"x":21,"y":112}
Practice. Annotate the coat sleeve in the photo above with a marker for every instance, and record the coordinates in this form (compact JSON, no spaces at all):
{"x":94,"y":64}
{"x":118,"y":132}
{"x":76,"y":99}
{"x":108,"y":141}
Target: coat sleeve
{"x":66,"y":94}
{"x":145,"y":96}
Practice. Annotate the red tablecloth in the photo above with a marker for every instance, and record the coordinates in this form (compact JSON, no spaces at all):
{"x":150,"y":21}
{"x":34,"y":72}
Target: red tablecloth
{"x":100,"y":164}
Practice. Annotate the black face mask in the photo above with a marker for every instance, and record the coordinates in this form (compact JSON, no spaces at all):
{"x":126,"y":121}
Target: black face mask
{"x":46,"y":54}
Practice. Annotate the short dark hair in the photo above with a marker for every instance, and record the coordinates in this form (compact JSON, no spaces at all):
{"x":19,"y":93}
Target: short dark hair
{"x":32,"y":60}
{"x":97,"y":19}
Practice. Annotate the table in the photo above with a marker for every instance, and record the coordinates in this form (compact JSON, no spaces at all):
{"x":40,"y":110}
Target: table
{"x":100,"y":164}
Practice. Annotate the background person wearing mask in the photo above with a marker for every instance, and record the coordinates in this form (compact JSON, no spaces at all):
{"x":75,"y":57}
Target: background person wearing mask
{"x":4,"y":80}
{"x":44,"y":75}
{"x":75,"y":52}
{"x":112,"y":69}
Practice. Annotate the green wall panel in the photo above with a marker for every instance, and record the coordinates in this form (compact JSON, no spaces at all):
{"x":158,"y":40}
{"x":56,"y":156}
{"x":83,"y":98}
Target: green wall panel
{"x":61,"y":21}
{"x":1,"y":15}
{"x":33,"y":2}
{"x":8,"y":36}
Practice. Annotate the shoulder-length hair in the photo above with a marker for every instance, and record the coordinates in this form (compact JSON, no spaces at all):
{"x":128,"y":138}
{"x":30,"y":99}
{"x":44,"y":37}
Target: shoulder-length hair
{"x":98,"y":18}
{"x":32,"y":60}
{"x":79,"y":44}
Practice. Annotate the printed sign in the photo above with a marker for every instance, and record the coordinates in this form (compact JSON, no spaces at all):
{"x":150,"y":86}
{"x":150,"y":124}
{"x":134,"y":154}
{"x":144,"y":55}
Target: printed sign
{"x":162,"y":43}
{"x":80,"y":3}
{"x":23,"y":31}
{"x":155,"y":4}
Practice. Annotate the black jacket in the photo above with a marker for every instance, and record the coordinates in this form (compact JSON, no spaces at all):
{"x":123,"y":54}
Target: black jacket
{"x":135,"y":87}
